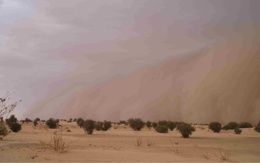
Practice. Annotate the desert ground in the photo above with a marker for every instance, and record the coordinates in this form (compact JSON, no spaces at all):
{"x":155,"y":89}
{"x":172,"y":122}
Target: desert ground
{"x":122,"y":144}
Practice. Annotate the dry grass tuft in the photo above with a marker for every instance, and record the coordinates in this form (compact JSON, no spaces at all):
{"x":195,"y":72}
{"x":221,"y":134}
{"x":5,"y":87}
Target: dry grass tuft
{"x":139,"y":142}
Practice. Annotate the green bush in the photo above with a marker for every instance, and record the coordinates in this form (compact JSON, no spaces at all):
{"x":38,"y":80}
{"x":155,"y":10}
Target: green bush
{"x":162,"y":123}
{"x":35,"y":122}
{"x":13,"y":125}
{"x":154,"y":124}
{"x":107,"y":125}
{"x":89,"y":126}
{"x":257,"y":127}
{"x":185,"y":129}
{"x":215,"y":127}
{"x":136,"y":123}
{"x":99,"y":125}
{"x":245,"y":125}
{"x":80,"y":122}
{"x":149,"y":124}
{"x":230,"y":126}
{"x":171,"y":125}
{"x":162,"y":129}
{"x":52,"y":123}
{"x":237,"y":130}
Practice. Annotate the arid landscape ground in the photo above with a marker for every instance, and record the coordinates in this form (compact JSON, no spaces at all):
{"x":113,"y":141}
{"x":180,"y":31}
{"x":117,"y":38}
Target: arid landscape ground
{"x":122,"y":144}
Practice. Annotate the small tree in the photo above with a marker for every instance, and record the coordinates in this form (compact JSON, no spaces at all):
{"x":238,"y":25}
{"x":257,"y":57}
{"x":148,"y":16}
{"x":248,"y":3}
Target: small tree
{"x":162,"y":129}
{"x":89,"y":126}
{"x":257,"y":127}
{"x":80,"y":122}
{"x":215,"y":127}
{"x":185,"y":129}
{"x":3,"y":129}
{"x":52,"y":123}
{"x":35,"y":122}
{"x":136,"y":123}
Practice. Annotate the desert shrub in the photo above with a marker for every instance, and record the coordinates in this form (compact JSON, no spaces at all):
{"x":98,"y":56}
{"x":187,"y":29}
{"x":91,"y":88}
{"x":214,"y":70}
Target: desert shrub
{"x":149,"y":124}
{"x":245,"y":125}
{"x":80,"y":122}
{"x":52,"y":123}
{"x":75,"y":120}
{"x":136,"y":123}
{"x":89,"y":126}
{"x":215,"y":127}
{"x":3,"y":129}
{"x":27,"y":120}
{"x":230,"y":126}
{"x":107,"y":125}
{"x":185,"y":129}
{"x":154,"y":124}
{"x":162,"y":129}
{"x":13,"y":125}
{"x":171,"y":125}
{"x":237,"y":130}
{"x":70,"y":120}
{"x":35,"y":122}
{"x":99,"y":126}
{"x":123,"y":122}
{"x":257,"y":127}
{"x":162,"y":123}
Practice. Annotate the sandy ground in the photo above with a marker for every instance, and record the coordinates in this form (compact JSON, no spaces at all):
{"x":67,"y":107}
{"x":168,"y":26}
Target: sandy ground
{"x":119,"y":144}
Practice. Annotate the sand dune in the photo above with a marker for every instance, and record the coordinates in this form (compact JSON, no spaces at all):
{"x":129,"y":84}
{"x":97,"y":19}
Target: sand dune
{"x":221,"y":83}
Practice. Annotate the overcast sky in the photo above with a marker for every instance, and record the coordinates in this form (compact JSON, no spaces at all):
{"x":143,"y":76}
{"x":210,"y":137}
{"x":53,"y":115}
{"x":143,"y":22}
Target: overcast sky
{"x":50,"y":44}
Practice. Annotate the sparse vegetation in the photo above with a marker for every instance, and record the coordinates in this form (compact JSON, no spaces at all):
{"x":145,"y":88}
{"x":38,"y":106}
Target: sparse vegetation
{"x":154,"y":124}
{"x":230,"y":126}
{"x":89,"y":126}
{"x":136,"y":123}
{"x":185,"y":129}
{"x":52,"y":123}
{"x":162,"y":129}
{"x":257,"y":127}
{"x":3,"y":129}
{"x":171,"y":125}
{"x":215,"y":127}
{"x":35,"y":122}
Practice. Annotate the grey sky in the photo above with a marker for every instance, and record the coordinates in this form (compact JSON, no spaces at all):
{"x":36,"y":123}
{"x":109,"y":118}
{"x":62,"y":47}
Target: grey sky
{"x":51,"y":44}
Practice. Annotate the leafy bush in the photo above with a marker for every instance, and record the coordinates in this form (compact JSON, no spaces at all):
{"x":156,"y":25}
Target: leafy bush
{"x":52,"y":123}
{"x":149,"y":124}
{"x":89,"y":126}
{"x":162,"y":129}
{"x":35,"y":122}
{"x":245,"y":125}
{"x":136,"y":123}
{"x":171,"y":125}
{"x":154,"y":124}
{"x":230,"y":126}
{"x":257,"y":127}
{"x":123,"y":122}
{"x":215,"y":127}
{"x":107,"y":125}
{"x":13,"y":125}
{"x":162,"y":123}
{"x":185,"y":129}
{"x":80,"y":122}
{"x":99,"y":126}
{"x":237,"y":130}
{"x":27,"y":120}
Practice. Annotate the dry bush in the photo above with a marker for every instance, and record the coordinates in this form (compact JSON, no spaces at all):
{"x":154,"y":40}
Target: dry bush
{"x":56,"y":143}
{"x":224,"y":155}
{"x":150,"y":143}
{"x":139,"y":142}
